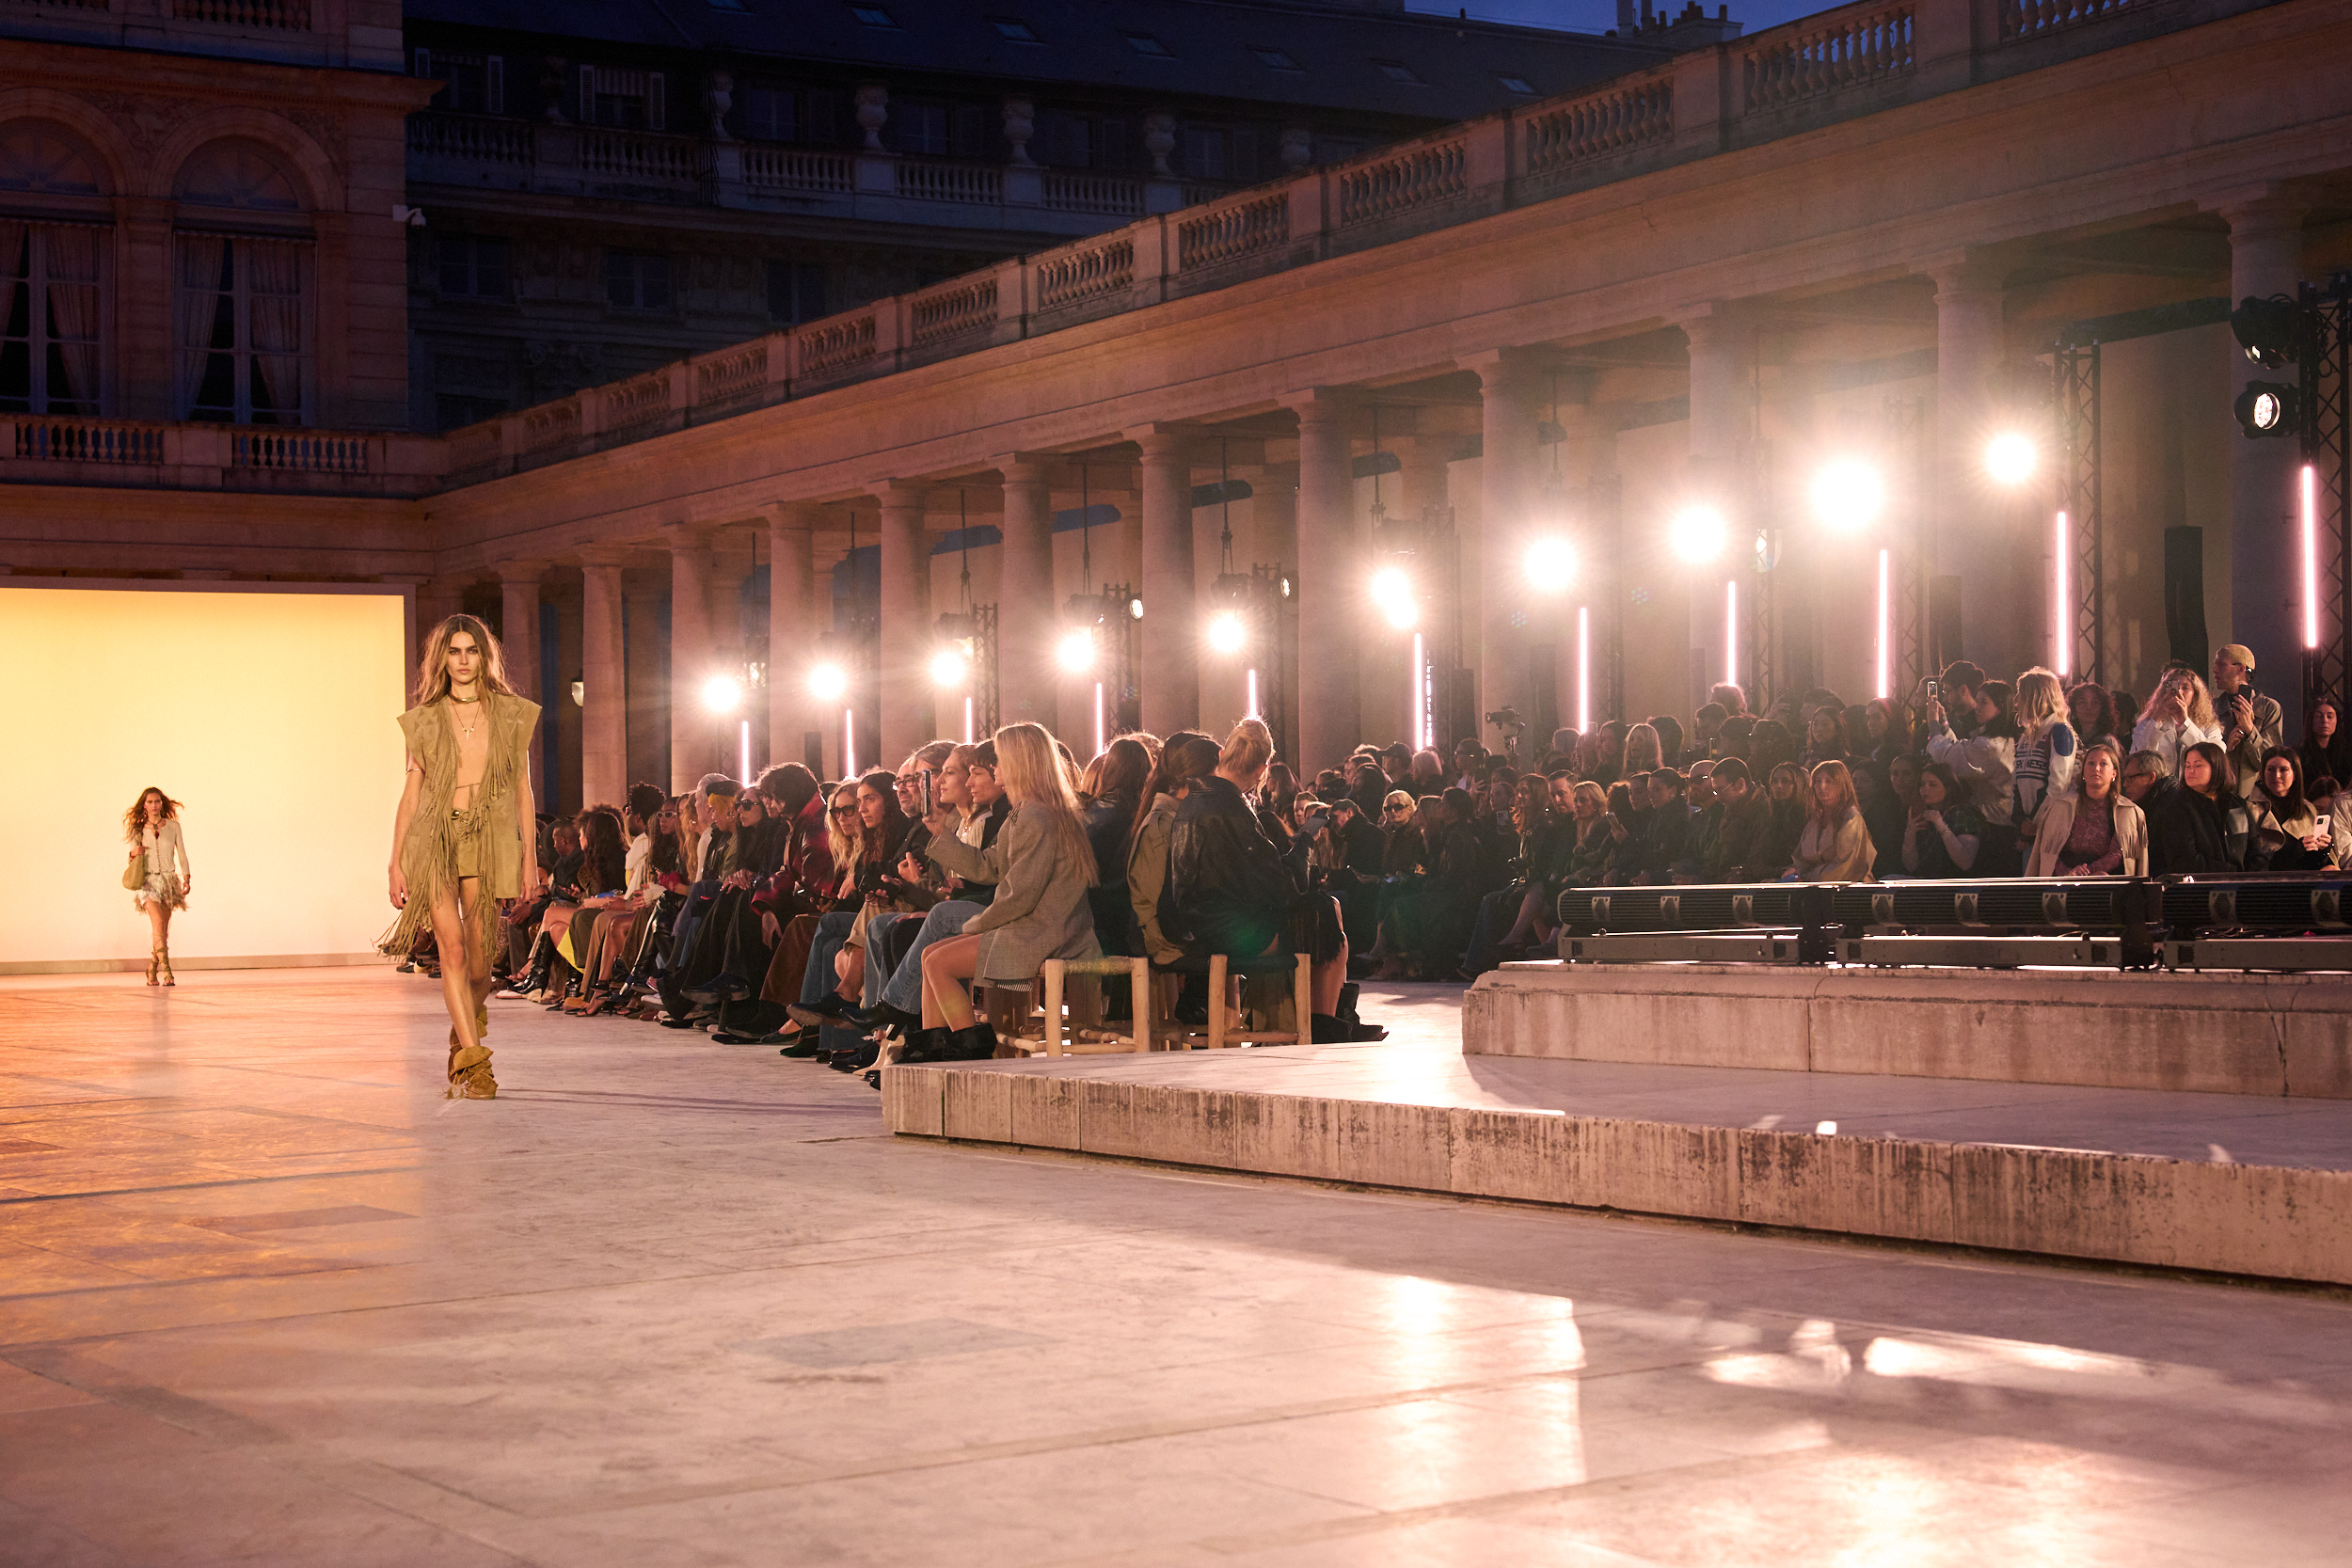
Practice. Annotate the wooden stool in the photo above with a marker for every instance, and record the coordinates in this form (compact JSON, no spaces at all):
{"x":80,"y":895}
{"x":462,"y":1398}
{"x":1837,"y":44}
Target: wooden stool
{"x":1301,"y":999}
{"x":1087,"y":1034}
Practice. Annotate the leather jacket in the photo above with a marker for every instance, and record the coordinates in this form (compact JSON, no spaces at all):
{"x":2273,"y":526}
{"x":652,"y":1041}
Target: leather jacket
{"x":1232,"y":889}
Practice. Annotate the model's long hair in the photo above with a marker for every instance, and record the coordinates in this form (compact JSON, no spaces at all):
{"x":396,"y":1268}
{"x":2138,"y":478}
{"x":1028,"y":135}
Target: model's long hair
{"x":135,"y":819}
{"x":1033,"y":776}
{"x":433,"y":670}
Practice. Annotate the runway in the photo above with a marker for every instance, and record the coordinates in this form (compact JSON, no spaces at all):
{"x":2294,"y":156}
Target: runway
{"x":269,"y":1299}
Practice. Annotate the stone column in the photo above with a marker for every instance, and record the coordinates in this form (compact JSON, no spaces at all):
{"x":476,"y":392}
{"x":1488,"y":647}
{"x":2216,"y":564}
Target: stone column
{"x":518,"y":624}
{"x":1989,"y":540}
{"x":1332,"y":569}
{"x":1512,"y":387}
{"x":1723,"y":356}
{"x":1026,"y":605}
{"x":691,"y":752}
{"x":646,"y":651}
{"x":1273,"y":524}
{"x":2265,"y":579}
{"x":1170,"y":683}
{"x":906,"y":623}
{"x":796,"y":618}
{"x":604,"y":685}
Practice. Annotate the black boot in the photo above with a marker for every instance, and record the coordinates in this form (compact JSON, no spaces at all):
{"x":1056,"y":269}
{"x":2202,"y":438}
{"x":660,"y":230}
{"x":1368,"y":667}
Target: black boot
{"x":535,"y":974}
{"x":975,"y":1044}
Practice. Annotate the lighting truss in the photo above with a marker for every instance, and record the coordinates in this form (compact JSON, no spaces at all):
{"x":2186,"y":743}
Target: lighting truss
{"x":2075,"y":400}
{"x":2326,"y":375}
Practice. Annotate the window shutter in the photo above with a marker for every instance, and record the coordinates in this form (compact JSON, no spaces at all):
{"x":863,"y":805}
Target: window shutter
{"x":655,"y":98}
{"x":494,"y":84}
{"x":587,"y":95}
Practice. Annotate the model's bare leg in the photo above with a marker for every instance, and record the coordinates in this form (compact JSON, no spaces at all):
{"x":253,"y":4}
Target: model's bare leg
{"x":465,"y":979}
{"x":163,"y":939}
{"x":158,"y":926}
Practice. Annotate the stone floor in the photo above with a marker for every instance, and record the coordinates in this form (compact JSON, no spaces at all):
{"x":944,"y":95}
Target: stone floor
{"x":266,"y":1298}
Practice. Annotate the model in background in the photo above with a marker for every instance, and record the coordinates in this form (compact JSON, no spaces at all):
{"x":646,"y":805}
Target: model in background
{"x":465,"y":836}
{"x":158,"y":875}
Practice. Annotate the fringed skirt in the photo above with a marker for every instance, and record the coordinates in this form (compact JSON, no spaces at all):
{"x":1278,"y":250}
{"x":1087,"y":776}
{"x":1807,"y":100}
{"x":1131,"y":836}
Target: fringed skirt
{"x":161,"y":888}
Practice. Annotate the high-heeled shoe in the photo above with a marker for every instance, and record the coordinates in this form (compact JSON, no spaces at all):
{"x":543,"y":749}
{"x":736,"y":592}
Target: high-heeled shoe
{"x":163,"y":956}
{"x":154,"y":959}
{"x":534,"y":978}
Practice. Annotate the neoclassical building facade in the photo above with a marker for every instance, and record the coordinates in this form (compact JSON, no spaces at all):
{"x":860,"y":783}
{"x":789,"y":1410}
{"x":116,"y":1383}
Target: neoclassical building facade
{"x":1597,"y":326}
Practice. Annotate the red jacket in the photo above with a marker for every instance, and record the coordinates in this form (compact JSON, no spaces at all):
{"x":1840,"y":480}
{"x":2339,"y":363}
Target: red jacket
{"x":808,"y":871}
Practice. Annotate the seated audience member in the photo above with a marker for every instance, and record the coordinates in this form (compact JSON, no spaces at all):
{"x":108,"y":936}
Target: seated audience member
{"x":1942,"y":834}
{"x":2147,"y":778}
{"x":2289,"y":833}
{"x":1824,"y":737}
{"x":1509,"y":917}
{"x":1644,"y":752}
{"x":2327,"y":748}
{"x":1666,"y":831}
{"x":1886,"y":811}
{"x":2091,"y":830}
{"x":1769,"y":746}
{"x":1835,"y":845}
{"x":1233,"y":892}
{"x":1112,"y":813}
{"x":1185,"y":757}
{"x":1742,"y":852}
{"x":1983,"y":761}
{"x":1629,"y":822}
{"x":1669,"y":731}
{"x":1705,"y":827}
{"x":1736,"y":739}
{"x":1042,"y":865}
{"x":1706,"y":730}
{"x":830,"y":980}
{"x":2201,"y":826}
{"x":1786,"y":791}
{"x":753,"y":856}
{"x":1591,"y":841}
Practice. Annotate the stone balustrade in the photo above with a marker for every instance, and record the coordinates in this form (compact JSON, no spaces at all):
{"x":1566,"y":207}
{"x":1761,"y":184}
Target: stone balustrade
{"x":50,"y":450}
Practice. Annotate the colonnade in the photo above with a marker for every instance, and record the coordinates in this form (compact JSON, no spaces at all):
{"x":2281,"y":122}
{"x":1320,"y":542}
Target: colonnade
{"x":1343,"y":686}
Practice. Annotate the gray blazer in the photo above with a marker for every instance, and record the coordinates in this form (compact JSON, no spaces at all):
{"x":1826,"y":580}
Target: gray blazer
{"x":1040,"y":909}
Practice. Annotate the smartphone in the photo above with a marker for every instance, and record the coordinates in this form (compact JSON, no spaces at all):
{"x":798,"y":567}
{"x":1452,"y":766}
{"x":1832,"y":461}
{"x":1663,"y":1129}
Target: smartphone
{"x":930,"y":792}
{"x":1935,"y":688}
{"x":1315,"y":823}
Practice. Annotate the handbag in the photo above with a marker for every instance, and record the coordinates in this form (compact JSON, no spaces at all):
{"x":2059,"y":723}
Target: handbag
{"x":135,"y":873}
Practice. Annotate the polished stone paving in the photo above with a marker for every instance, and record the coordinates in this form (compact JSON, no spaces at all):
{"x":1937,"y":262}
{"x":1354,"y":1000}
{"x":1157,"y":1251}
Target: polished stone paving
{"x":266,"y":1298}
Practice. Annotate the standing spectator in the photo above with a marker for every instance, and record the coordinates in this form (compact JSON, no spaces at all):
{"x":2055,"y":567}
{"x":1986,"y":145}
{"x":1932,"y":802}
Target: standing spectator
{"x":1825,"y":737}
{"x":1961,"y":685}
{"x":2047,"y":750}
{"x":1643,"y":755}
{"x":1770,"y":745}
{"x":2092,"y":711}
{"x":1669,"y":730}
{"x":2251,"y":725}
{"x":1733,"y":700}
{"x":1984,"y":764}
{"x":1835,"y":845}
{"x":2178,"y":716}
{"x":2327,"y":748}
{"x":1886,"y":730}
{"x":2091,"y":830}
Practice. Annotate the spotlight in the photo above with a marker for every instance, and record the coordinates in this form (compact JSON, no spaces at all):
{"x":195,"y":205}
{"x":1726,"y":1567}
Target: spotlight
{"x":2269,"y":408}
{"x":722,"y":693}
{"x":1075,"y":652}
{"x":1392,"y":593}
{"x":1550,"y":565}
{"x":949,"y":669}
{"x":2266,"y":329}
{"x":1228,"y":632}
{"x":827,"y":682}
{"x":1848,"y":496}
{"x":2010,"y":458}
{"x":1135,"y":609}
{"x":1697,"y":534}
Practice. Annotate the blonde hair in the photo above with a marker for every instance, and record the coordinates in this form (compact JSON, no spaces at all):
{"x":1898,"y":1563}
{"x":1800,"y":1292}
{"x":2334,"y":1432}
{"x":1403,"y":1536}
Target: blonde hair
{"x":1248,"y":748}
{"x":433,"y":669}
{"x":1836,"y":773}
{"x":1641,"y":740}
{"x":2039,"y":701}
{"x":1032,"y":773}
{"x":134,"y":820}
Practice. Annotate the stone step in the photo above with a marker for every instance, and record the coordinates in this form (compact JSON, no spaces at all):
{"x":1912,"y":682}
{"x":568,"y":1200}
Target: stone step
{"x":2225,"y":1182}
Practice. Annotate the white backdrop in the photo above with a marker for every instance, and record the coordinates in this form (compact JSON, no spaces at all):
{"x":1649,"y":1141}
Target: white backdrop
{"x":267,"y":714}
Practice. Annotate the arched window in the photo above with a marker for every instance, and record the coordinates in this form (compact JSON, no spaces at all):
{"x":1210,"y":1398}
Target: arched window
{"x":242,"y":326}
{"x":51,"y":308}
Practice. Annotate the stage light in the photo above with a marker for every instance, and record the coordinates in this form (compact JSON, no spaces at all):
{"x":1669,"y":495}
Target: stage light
{"x":2308,"y":490}
{"x":722,"y":693}
{"x":949,"y":669}
{"x":1394,"y":596}
{"x":1228,"y":632}
{"x":2266,"y":329}
{"x":2269,"y":408}
{"x":827,"y":682}
{"x":2010,"y":458}
{"x":1550,"y":565}
{"x":1135,"y":609}
{"x":1848,"y":496}
{"x":1075,"y":652}
{"x":1697,"y":533}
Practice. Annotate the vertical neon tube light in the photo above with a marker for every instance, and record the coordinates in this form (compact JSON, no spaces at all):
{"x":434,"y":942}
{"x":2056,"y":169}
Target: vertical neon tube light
{"x":1584,"y":669}
{"x":1886,"y":617}
{"x":2310,"y":487}
{"x":747,"y":753}
{"x":848,"y":743}
{"x":1251,"y":710}
{"x":967,"y":720}
{"x":2062,"y":598}
{"x":1100,"y":740}
{"x":1731,"y":632}
{"x":1419,"y":715}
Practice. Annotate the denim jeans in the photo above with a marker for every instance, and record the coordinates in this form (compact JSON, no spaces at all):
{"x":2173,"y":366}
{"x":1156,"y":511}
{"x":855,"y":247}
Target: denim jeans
{"x":876,"y":929}
{"x":904,"y":991}
{"x":833,"y":934}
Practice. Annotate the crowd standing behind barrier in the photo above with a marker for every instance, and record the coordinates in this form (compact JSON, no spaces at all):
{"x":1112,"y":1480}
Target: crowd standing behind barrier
{"x":845,"y":921}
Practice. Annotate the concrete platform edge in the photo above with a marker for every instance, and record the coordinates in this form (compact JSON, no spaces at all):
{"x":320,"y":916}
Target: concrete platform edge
{"x":2261,"y":1221}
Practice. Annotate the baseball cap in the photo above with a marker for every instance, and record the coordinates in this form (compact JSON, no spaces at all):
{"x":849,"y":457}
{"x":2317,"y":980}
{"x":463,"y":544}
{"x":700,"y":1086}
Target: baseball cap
{"x":2237,"y":653}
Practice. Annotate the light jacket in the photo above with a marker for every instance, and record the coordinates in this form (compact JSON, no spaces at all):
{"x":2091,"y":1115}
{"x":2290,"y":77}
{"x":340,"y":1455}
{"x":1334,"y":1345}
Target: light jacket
{"x":1986,"y":766}
{"x":2056,"y":822}
{"x":1843,"y":854}
{"x":1039,"y":911}
{"x":1146,"y":878}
